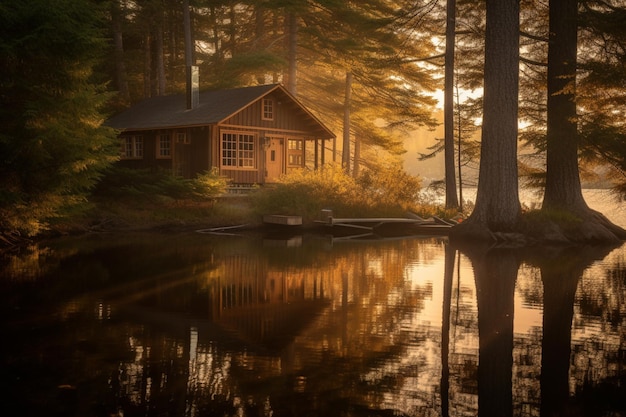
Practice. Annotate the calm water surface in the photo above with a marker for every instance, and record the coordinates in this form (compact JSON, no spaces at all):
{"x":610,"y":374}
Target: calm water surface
{"x":262,"y":325}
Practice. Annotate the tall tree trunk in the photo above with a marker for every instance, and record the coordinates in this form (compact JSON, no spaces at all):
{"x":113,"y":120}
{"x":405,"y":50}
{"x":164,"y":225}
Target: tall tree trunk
{"x":356,"y":164}
{"x":563,"y":188}
{"x":172,"y":47}
{"x":121,"y":77}
{"x":459,"y":147}
{"x":188,"y":37}
{"x":292,"y":39}
{"x":345,"y":158}
{"x":259,"y":41}
{"x":160,"y":60}
{"x":232,"y":31}
{"x":497,"y":200}
{"x":448,"y":107}
{"x":147,"y":64}
{"x":275,"y":34}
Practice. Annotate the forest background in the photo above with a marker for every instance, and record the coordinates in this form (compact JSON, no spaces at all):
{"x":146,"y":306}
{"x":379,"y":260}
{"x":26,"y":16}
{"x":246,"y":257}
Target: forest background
{"x":371,"y":70}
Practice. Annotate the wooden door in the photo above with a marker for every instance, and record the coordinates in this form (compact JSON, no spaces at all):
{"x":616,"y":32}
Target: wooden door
{"x":274,"y":159}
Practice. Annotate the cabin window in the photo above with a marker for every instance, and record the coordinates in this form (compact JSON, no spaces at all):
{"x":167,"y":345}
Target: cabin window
{"x":238,"y":150}
{"x":132,"y":147}
{"x":182,"y":138}
{"x":295,"y":155}
{"x":268,"y":109}
{"x":164,"y":149}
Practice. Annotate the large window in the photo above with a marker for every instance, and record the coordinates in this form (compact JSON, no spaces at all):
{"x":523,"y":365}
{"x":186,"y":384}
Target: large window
{"x":295,"y":155}
{"x":268,"y":109}
{"x":238,"y":150}
{"x":132,"y":147}
{"x":164,"y":149}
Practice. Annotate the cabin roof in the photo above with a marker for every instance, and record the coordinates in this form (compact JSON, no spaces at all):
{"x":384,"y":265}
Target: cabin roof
{"x":213,"y":107}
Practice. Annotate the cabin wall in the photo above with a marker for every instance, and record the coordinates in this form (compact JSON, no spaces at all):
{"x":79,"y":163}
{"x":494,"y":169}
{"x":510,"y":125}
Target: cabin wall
{"x":149,"y":159}
{"x":190,"y":151}
{"x":200,"y":150}
{"x":287,"y":116}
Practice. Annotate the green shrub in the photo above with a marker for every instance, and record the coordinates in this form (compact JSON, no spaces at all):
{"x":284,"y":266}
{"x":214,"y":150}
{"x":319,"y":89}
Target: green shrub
{"x":209,"y":184}
{"x":144,"y":184}
{"x":388,"y":192}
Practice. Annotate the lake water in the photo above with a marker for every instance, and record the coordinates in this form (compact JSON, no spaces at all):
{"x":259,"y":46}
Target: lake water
{"x":310,"y":325}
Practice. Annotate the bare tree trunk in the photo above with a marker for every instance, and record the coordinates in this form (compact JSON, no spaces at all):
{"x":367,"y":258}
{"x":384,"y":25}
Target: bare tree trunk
{"x":563,"y":188}
{"x":232,"y":31}
{"x":275,"y":33}
{"x":160,"y":61}
{"x":459,"y":148}
{"x":292,"y":27}
{"x":356,"y":164}
{"x":345,"y":158}
{"x":497,"y":200}
{"x":172,"y":47}
{"x":260,"y":36}
{"x":448,"y":112}
{"x":188,"y":38}
{"x":147,"y":65}
{"x":121,"y":77}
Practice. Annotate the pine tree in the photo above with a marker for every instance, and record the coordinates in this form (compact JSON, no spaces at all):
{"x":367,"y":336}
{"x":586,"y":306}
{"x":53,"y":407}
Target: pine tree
{"x":52,"y":143}
{"x":563,"y":189}
{"x":497,"y":201}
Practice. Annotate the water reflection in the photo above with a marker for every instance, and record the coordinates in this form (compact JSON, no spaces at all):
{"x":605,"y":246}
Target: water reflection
{"x":198,"y":325}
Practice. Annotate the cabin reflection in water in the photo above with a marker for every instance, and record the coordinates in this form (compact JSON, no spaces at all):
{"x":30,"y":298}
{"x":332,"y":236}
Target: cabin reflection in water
{"x":287,"y":327}
{"x":266,"y":307}
{"x":243,"y":317}
{"x":207,"y":326}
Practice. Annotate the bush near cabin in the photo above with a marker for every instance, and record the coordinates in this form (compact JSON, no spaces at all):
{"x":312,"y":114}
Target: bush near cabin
{"x":388,"y":192}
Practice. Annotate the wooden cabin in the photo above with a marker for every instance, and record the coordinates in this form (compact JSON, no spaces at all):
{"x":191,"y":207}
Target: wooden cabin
{"x":252,"y":135}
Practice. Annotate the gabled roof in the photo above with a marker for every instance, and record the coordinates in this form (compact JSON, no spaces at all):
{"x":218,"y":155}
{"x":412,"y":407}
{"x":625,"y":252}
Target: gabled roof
{"x":213,"y":107}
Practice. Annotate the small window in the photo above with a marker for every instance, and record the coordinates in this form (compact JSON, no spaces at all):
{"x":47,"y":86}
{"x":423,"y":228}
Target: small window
{"x":182,"y":138}
{"x":295,"y":153}
{"x":132,"y":147}
{"x":164,"y":149}
{"x":268,"y":109}
{"x":295,"y":145}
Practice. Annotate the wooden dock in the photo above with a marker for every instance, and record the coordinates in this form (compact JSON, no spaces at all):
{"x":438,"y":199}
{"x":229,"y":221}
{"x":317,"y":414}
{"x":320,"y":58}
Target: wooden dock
{"x":283,"y":220}
{"x":412,"y":221}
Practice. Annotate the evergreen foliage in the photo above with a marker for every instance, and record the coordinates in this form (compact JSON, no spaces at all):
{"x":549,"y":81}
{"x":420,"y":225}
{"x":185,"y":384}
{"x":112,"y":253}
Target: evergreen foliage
{"x":52,"y":142}
{"x":145,"y":185}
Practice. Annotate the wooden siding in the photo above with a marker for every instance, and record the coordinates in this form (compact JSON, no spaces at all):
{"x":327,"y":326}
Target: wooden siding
{"x":286,"y":116}
{"x":244,"y":177}
{"x":149,"y":159}
{"x":188,"y":158}
{"x":200,"y":157}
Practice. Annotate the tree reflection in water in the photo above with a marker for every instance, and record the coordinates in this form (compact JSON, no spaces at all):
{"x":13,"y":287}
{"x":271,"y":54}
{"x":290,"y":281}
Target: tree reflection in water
{"x":203,"y":326}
